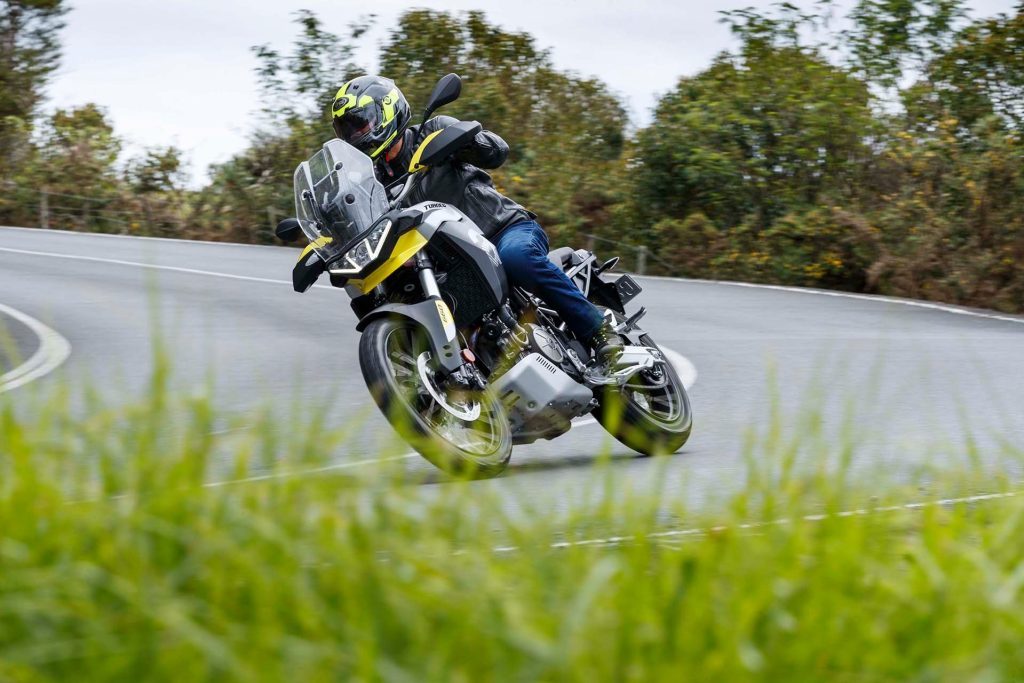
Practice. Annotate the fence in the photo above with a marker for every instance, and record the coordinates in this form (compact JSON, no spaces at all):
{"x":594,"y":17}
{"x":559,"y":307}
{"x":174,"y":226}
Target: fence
{"x":61,"y":210}
{"x":77,"y":212}
{"x":642,"y":253}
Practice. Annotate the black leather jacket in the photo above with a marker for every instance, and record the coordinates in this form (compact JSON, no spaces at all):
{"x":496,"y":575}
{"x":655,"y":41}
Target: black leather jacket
{"x":460,"y":182}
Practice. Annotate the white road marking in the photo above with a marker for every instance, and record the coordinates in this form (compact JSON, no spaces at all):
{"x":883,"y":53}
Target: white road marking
{"x":137,"y":237}
{"x":139,"y":264}
{"x":701,"y":531}
{"x":351,"y":464}
{"x":945,"y":308}
{"x":53,"y":350}
{"x":686,"y":370}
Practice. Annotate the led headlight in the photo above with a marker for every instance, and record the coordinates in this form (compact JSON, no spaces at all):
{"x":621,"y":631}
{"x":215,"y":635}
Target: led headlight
{"x":359,"y":256}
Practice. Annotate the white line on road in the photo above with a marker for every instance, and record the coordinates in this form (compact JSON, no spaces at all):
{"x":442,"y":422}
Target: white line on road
{"x":686,"y":370}
{"x":728,"y":283}
{"x":945,"y":308}
{"x":145,"y":238}
{"x":313,"y":470}
{"x":701,"y":531}
{"x":139,"y":264}
{"x":53,"y":350}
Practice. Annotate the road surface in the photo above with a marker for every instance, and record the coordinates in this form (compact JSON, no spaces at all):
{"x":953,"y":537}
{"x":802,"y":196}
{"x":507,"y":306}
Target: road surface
{"x":909,"y":385}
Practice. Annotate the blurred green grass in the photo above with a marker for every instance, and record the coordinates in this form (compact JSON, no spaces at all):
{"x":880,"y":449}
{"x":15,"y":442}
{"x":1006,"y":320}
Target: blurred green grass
{"x":119,"y":562}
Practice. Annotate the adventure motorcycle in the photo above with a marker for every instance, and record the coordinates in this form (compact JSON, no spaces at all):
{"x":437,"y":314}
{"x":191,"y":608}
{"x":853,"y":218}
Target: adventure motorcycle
{"x":460,"y":363}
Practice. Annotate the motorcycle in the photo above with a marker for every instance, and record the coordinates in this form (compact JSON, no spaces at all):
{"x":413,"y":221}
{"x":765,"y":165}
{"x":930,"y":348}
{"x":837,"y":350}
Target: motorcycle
{"x":462,"y":364}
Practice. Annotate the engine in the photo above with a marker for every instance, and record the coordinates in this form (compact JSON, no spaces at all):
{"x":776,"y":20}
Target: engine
{"x":541,"y":399}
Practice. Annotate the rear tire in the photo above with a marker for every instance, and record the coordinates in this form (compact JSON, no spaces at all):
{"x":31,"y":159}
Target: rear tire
{"x":479,"y":447}
{"x":648,"y":419}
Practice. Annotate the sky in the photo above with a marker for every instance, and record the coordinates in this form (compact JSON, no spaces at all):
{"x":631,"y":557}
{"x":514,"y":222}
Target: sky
{"x":181,"y":71}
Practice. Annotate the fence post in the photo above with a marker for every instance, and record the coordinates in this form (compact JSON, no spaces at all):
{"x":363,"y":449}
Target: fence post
{"x":272,"y":217}
{"x":590,"y":243}
{"x":641,"y":260}
{"x":44,"y":210}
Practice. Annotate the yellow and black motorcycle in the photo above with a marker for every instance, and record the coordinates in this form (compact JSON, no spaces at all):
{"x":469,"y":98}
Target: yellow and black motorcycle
{"x":462,"y":364}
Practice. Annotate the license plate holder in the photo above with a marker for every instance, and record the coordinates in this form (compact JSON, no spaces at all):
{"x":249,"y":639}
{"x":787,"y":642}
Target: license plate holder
{"x":627,"y":288}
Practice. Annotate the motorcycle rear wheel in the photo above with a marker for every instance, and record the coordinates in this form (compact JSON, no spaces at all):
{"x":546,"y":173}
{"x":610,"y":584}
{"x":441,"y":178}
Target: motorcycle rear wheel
{"x":446,"y":429}
{"x":651,"y":416}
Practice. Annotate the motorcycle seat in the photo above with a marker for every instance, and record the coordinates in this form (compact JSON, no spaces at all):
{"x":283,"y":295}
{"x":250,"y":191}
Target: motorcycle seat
{"x":562,"y":256}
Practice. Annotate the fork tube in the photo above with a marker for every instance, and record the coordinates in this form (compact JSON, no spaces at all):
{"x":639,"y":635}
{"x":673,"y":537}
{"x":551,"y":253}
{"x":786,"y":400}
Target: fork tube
{"x":425,"y":270}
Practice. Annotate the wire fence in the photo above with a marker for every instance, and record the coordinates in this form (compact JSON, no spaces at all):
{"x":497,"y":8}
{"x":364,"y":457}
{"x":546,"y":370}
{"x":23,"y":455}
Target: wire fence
{"x":642,"y":254}
{"x":118,"y":214}
{"x":76,"y":212}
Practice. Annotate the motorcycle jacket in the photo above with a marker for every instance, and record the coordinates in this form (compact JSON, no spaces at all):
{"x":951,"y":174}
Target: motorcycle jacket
{"x":460,"y":181}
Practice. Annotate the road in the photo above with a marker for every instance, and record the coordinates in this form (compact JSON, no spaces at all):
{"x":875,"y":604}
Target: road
{"x":907,"y":385}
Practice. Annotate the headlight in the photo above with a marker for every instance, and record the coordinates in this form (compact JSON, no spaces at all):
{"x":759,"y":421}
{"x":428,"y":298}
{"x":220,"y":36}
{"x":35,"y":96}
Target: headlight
{"x":359,"y":256}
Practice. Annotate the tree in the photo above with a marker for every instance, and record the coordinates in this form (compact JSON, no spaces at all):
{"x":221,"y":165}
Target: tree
{"x":756,"y":135}
{"x":296,"y":91}
{"x":74,"y":160}
{"x":982,"y":73}
{"x":299,"y":86}
{"x":157,"y":170}
{"x":892,"y":37}
{"x":566,"y":133}
{"x":29,"y":53}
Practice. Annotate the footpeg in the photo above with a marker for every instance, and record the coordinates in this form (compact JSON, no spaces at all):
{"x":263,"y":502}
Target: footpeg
{"x":629,"y":324}
{"x":632,"y":360}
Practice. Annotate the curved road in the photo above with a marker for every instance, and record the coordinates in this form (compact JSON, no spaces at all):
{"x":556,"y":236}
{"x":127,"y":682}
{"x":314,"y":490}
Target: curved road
{"x":909,"y":384}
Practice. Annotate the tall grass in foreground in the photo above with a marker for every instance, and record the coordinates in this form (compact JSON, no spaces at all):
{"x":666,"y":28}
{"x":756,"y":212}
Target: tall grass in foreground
{"x":117,"y":563}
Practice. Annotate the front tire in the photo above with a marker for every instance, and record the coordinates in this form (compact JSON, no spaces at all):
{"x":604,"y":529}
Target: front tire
{"x":449,"y":431}
{"x":651,"y":415}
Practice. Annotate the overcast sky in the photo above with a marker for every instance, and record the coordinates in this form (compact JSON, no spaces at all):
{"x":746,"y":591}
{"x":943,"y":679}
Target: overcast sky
{"x":181,"y":71}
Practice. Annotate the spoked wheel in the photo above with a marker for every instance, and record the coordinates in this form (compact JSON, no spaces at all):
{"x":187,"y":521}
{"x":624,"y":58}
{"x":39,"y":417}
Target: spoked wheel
{"x":458,"y":430}
{"x":650,"y":413}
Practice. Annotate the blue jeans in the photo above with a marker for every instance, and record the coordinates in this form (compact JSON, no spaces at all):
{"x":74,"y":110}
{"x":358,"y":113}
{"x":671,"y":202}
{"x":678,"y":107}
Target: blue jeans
{"x":523,"y":249}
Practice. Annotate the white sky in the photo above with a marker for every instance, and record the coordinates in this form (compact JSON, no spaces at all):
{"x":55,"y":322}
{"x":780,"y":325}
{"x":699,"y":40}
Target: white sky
{"x":181,"y":72}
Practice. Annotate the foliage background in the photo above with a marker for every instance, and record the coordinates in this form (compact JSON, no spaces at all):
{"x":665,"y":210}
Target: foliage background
{"x":883,"y":158}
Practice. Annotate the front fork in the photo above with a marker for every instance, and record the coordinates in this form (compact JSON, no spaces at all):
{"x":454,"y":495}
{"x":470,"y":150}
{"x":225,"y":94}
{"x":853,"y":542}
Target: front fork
{"x":456,"y":363}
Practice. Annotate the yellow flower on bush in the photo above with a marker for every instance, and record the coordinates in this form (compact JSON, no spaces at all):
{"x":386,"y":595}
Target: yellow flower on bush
{"x":815,"y":271}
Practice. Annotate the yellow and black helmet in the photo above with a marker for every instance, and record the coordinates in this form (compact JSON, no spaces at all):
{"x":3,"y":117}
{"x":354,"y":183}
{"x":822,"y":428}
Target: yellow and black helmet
{"x":369,"y":113}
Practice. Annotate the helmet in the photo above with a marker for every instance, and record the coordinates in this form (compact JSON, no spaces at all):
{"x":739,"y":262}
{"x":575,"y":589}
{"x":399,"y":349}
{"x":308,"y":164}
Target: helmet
{"x":370,"y":113}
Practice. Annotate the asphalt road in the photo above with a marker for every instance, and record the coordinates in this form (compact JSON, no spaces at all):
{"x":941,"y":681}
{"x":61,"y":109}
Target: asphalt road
{"x":903,"y":385}
{"x":17,"y":342}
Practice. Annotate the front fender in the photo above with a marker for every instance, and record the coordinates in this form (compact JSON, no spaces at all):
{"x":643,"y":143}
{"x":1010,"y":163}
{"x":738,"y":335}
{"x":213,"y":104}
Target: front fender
{"x":435,"y":317}
{"x":308,"y":269}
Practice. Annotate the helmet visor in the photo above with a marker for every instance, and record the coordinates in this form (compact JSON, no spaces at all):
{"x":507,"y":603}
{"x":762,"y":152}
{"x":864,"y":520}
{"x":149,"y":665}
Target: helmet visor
{"x":356,"y":126}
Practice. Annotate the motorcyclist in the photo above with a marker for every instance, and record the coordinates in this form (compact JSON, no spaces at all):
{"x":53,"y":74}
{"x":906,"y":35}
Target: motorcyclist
{"x":370,"y":113}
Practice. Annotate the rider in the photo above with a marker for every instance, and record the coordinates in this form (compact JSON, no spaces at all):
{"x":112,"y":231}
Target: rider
{"x":371,"y":114}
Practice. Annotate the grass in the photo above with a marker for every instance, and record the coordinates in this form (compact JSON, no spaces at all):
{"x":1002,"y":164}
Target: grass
{"x":117,"y":563}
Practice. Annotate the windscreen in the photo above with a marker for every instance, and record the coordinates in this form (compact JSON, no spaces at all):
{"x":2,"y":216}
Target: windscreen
{"x":339,"y":180}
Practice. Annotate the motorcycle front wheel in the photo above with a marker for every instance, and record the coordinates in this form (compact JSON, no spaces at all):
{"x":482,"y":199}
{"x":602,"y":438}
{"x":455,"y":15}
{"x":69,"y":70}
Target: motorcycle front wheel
{"x":459,"y":431}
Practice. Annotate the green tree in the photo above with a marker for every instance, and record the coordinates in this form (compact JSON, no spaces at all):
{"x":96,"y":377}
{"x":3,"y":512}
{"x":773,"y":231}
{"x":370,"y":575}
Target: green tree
{"x":29,"y":53}
{"x":295,"y":91}
{"x":758,"y":134}
{"x":891,"y":37}
{"x":565,"y":133}
{"x":75,"y":163}
{"x":156,"y":170}
{"x":299,"y":86}
{"x":982,"y":73}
